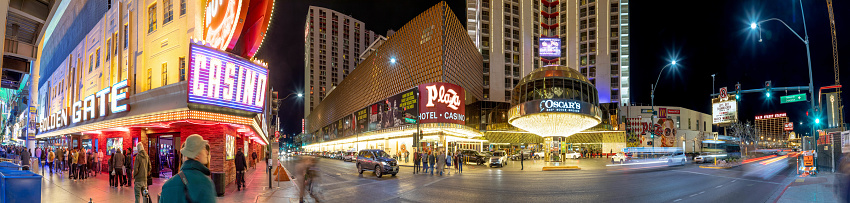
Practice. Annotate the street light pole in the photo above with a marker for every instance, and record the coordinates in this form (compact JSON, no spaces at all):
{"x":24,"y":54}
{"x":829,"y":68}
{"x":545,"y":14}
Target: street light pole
{"x":808,"y":57}
{"x":651,"y":132}
{"x":416,"y":97}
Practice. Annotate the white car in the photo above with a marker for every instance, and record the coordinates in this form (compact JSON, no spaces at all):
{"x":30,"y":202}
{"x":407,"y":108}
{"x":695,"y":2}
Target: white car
{"x":538,"y":155}
{"x":349,"y":156}
{"x":676,"y":158}
{"x":699,"y":159}
{"x":620,"y":157}
{"x":499,"y":158}
{"x":572,"y":155}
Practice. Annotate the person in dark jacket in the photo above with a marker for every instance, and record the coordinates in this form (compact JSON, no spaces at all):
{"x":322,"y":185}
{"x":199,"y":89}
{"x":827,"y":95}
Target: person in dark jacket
{"x":111,"y":170}
{"x":142,"y":168}
{"x":118,"y":163}
{"x":198,"y":186}
{"x":432,"y":159}
{"x":25,"y":158}
{"x":128,"y":167}
{"x":240,"y":169}
{"x":254,"y":161}
{"x":416,"y":160}
{"x":424,"y":157}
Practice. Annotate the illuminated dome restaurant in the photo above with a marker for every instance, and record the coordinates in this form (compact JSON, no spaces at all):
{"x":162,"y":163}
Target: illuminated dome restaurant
{"x":430,"y":68}
{"x":111,"y":74}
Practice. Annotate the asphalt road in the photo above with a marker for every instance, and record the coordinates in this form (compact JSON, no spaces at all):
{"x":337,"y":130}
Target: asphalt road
{"x":340,"y":182}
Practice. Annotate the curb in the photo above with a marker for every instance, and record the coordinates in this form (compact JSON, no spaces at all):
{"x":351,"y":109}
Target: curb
{"x":719,"y":167}
{"x":560,"y":168}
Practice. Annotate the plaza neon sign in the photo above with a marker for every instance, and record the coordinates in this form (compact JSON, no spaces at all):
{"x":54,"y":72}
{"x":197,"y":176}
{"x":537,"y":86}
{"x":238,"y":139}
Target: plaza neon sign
{"x":91,"y":107}
{"x":219,"y":79}
{"x":444,"y":103}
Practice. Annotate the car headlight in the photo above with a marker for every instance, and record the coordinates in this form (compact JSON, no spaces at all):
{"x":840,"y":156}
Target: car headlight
{"x":384,"y":163}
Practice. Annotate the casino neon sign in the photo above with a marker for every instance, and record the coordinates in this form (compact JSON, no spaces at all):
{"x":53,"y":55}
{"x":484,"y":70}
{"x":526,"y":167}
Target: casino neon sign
{"x":91,"y":107}
{"x":220,"y":79}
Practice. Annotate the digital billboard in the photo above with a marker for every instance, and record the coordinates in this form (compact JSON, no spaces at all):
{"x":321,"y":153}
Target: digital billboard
{"x":550,"y":47}
{"x":220,"y":79}
{"x":442,"y":103}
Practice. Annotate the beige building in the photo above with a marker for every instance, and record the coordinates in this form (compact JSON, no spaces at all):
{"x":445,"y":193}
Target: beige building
{"x":333,"y":42}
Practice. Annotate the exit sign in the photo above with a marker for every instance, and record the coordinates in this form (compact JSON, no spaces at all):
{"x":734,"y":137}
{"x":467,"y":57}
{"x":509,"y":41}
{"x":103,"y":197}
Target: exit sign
{"x":793,"y":98}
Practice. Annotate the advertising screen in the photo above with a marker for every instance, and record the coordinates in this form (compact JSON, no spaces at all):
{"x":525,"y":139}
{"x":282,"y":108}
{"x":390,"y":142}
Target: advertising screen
{"x":229,"y":145}
{"x":219,"y":79}
{"x":442,"y":103}
{"x":550,"y":47}
{"x":114,"y":145}
{"x":362,"y":120}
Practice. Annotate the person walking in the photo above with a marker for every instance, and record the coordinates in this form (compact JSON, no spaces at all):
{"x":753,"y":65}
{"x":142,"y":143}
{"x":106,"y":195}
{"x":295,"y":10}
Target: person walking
{"x":58,"y":162}
{"x":98,"y":160}
{"x":50,"y":162}
{"x":416,"y":160}
{"x":441,"y":162}
{"x":192,"y":183}
{"x":449,"y":163}
{"x":110,"y":167}
{"x":128,"y":167}
{"x":39,"y":157}
{"x":73,"y":171}
{"x":254,"y":161}
{"x":240,"y":169}
{"x":521,"y":158}
{"x":119,"y":167}
{"x":432,"y":159}
{"x":140,"y":172}
{"x":81,"y":164}
{"x":424,"y":157}
{"x":25,"y":158}
{"x":459,"y":162}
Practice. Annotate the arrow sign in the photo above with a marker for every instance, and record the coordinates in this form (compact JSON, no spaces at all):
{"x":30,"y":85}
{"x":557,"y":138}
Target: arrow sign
{"x":793,"y":98}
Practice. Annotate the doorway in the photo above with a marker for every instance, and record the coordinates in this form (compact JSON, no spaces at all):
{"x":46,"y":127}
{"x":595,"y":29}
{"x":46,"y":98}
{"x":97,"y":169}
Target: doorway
{"x":164,"y":158}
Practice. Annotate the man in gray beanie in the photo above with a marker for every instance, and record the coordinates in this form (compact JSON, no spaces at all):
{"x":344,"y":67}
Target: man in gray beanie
{"x":141,"y":168}
{"x":192,"y":183}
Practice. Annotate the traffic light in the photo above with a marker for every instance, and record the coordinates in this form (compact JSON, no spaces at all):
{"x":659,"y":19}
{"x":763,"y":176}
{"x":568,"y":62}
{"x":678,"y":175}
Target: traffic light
{"x":767,"y":87}
{"x":817,"y":120}
{"x":275,"y":103}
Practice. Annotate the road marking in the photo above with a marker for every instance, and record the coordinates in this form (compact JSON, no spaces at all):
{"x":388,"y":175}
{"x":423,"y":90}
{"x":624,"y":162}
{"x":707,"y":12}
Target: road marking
{"x":677,"y":200}
{"x":719,"y":186}
{"x":694,"y":195}
{"x":728,"y":177}
{"x":734,"y":180}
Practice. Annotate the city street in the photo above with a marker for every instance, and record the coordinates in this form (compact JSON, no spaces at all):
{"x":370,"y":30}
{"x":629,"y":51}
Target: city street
{"x":339,"y":181}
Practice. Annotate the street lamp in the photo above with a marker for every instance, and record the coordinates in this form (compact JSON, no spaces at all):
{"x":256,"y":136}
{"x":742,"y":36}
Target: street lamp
{"x":409,"y":74}
{"x":755,"y":26}
{"x":672,"y":63}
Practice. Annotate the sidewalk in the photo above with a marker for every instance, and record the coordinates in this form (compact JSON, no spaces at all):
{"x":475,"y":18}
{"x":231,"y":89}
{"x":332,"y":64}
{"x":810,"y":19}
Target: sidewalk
{"x":57,"y":187}
{"x":820,"y":188}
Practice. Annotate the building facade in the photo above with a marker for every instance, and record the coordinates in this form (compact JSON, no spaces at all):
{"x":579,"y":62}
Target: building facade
{"x":105,"y":68}
{"x":376,"y":106}
{"x":592,"y":37}
{"x":333,"y":42}
{"x":673,"y":127}
{"x":771,"y":128}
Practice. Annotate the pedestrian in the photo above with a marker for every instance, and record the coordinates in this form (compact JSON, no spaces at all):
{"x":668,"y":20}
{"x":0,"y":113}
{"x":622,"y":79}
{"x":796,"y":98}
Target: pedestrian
{"x":611,"y":153}
{"x":416,"y":159}
{"x":25,"y":158}
{"x":140,"y":172}
{"x":240,"y":169}
{"x":98,"y":160}
{"x":441,"y":162}
{"x":110,"y":167}
{"x":460,"y":162}
{"x":406,"y":155}
{"x":128,"y":167}
{"x":424,"y":158}
{"x":58,"y":162}
{"x":254,"y":161}
{"x":521,"y":158}
{"x":432,"y":159}
{"x":81,"y":163}
{"x":119,"y":167}
{"x":192,"y":183}
{"x":449,"y":163}
{"x":38,"y":156}
{"x":73,"y":171}
{"x":50,"y":157}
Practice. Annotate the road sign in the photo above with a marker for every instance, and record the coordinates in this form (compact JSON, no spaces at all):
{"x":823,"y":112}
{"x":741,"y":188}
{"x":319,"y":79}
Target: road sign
{"x":409,"y":120}
{"x":808,"y":160}
{"x":723,"y":94}
{"x":793,"y":98}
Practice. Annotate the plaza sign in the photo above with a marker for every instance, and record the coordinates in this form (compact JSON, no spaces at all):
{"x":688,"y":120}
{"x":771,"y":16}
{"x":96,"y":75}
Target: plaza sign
{"x":91,"y":107}
{"x":219,"y":79}
{"x":443,"y":103}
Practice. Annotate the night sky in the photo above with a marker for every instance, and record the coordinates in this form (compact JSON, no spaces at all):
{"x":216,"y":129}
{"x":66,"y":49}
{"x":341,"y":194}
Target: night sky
{"x":705,"y":39}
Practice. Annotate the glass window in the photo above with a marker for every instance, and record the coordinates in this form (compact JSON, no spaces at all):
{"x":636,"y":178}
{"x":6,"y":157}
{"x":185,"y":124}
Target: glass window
{"x":182,"y":68}
{"x":152,"y":18}
{"x":164,"y":74}
{"x":182,"y":7}
{"x":167,"y":13}
{"x":126,"y":35}
{"x":97,"y":59}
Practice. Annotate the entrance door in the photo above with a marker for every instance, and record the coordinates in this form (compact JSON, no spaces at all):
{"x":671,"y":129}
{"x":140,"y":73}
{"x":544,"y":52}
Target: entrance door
{"x":153,"y":154}
{"x":175,"y":149}
{"x":166,"y":155}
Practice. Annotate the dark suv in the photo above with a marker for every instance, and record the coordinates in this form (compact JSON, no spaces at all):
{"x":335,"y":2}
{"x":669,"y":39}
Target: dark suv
{"x":376,"y":160}
{"x":474,"y":156}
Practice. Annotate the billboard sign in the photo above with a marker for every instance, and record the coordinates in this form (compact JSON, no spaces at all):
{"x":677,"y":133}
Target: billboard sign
{"x":220,"y":79}
{"x":442,"y":103}
{"x":646,"y":111}
{"x":724,"y":112}
{"x":662,"y":112}
{"x":832,"y":109}
{"x":789,"y":126}
{"x":550,"y":47}
{"x":769,"y":116}
{"x":673,"y":111}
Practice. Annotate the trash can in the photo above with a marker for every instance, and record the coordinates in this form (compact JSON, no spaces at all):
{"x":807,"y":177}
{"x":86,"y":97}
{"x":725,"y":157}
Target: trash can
{"x":20,"y":186}
{"x":218,"y":181}
{"x":9,"y":166}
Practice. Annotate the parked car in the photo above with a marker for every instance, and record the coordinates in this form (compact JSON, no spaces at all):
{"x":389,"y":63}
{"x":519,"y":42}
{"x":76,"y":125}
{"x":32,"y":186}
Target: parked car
{"x":376,"y":160}
{"x":499,"y":158}
{"x":676,"y":158}
{"x":572,"y":155}
{"x":620,"y":157}
{"x":474,"y":156}
{"x":350,"y":156}
{"x":527,"y":154}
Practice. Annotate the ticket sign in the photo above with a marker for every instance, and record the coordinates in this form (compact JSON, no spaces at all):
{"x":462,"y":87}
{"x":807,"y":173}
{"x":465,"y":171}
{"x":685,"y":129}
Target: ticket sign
{"x":442,"y":103}
{"x":220,"y":79}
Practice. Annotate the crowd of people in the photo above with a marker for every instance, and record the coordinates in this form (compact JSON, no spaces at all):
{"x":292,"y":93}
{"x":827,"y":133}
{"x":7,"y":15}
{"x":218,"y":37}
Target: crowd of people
{"x":436,"y":161}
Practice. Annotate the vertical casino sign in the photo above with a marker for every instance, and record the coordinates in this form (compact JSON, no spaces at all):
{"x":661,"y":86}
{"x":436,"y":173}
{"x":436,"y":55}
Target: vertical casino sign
{"x":221,"y":79}
{"x":442,"y":103}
